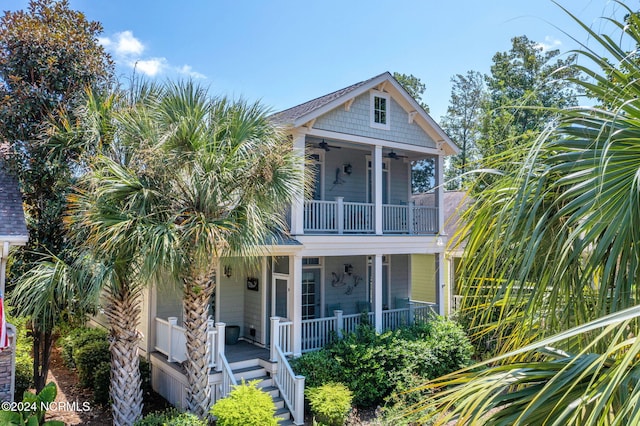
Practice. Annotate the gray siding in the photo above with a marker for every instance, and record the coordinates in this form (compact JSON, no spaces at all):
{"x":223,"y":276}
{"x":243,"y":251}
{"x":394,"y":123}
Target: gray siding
{"x":232,"y":298}
{"x":399,"y":278}
{"x":399,"y":182}
{"x":253,"y":309}
{"x":335,"y":295}
{"x":356,"y":122}
{"x":353,"y":186}
{"x":168,"y":301}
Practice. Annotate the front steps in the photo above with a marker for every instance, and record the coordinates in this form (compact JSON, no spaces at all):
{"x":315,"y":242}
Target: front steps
{"x":251,"y":370}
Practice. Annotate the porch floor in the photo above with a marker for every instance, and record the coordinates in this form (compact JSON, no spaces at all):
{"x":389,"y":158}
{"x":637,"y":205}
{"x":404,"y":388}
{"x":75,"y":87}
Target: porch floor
{"x":243,"y":351}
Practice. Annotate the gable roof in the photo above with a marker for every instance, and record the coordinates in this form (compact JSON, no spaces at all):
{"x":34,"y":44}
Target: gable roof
{"x":299,"y":115}
{"x":13,"y":227}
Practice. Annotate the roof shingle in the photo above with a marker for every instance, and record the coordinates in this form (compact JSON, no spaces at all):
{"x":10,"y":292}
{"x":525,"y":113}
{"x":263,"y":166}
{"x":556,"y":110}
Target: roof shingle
{"x":12,"y":223}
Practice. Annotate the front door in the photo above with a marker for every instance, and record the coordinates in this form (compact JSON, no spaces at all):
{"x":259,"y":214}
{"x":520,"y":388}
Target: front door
{"x":280,"y":291}
{"x":310,"y":293}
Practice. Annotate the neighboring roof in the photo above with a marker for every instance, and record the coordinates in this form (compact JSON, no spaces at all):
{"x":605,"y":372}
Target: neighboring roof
{"x":304,"y":113}
{"x":454,"y":204}
{"x":282,"y":240}
{"x":13,"y":227}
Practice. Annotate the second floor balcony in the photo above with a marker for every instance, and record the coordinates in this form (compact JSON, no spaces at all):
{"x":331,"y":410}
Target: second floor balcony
{"x":344,"y":217}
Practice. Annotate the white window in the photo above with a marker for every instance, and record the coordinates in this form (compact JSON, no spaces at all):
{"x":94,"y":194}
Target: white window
{"x":380,"y":110}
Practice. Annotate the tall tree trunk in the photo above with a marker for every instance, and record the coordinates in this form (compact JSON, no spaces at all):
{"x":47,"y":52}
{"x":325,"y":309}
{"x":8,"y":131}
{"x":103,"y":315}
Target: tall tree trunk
{"x":123,"y":311}
{"x":42,"y":343}
{"x":197,"y":293}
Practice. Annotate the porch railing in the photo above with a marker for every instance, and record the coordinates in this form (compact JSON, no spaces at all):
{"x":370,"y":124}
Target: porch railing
{"x":341,"y":217}
{"x":171,"y":340}
{"x":290,"y":385}
{"x":408,"y":218}
{"x":228,"y":380}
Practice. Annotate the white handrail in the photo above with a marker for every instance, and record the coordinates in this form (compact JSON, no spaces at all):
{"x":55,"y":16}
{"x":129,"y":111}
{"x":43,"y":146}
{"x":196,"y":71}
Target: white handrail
{"x":171,"y":340}
{"x":291,"y":386}
{"x":228,"y":380}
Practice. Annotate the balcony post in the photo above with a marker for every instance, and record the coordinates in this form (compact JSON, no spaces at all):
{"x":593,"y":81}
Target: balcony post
{"x":439,"y":191}
{"x":376,"y":165}
{"x":410,"y":216}
{"x":340,"y":214}
{"x":297,"y":206}
{"x":339,"y":323}
{"x":412,"y":314}
{"x":275,"y":337}
{"x":173,"y":321}
{"x":220,"y":335}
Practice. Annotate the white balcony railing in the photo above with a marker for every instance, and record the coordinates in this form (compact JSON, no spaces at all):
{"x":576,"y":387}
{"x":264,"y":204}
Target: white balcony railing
{"x":342,"y":217}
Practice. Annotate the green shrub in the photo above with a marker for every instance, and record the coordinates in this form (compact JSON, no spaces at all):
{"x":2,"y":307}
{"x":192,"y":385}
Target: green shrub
{"x":330,"y":403}
{"x":76,"y":339}
{"x":246,"y":405}
{"x":88,"y":358}
{"x":101,"y":382}
{"x":318,"y":367}
{"x":377,"y":366}
{"x":24,"y":360}
{"x":170,"y":417}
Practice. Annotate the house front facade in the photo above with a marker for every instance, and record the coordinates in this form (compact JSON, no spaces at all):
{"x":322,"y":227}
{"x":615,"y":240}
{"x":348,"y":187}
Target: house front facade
{"x":355,"y":242}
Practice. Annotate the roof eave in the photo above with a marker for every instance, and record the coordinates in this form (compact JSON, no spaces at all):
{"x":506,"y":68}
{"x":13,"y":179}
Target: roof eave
{"x":14,"y":240}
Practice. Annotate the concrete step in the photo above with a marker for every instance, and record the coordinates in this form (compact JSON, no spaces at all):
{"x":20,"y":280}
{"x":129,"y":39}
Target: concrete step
{"x":283,"y":413}
{"x":249,"y":373}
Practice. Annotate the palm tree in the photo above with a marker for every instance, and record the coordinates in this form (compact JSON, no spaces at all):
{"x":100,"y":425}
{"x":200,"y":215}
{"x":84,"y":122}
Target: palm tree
{"x":195,"y":179}
{"x":552,"y":265}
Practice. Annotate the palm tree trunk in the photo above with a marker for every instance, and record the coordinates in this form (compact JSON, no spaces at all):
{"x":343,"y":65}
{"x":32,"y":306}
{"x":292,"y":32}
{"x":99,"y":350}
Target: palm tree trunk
{"x":123,"y":311}
{"x":197,"y":293}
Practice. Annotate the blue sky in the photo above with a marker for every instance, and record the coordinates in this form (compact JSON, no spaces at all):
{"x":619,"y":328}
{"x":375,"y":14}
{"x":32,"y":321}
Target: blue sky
{"x":285,"y":52}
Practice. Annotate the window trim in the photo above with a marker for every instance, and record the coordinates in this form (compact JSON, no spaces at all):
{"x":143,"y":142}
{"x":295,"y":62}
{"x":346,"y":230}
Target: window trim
{"x":372,"y":97}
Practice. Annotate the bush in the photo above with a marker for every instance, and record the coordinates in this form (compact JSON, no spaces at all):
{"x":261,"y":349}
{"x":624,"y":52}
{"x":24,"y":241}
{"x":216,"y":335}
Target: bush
{"x":330,"y":403}
{"x":376,"y":366}
{"x":170,"y":417}
{"x":319,"y":368}
{"x":76,"y":339}
{"x":246,"y":405}
{"x":24,"y":360}
{"x":101,"y":382}
{"x":88,"y":358}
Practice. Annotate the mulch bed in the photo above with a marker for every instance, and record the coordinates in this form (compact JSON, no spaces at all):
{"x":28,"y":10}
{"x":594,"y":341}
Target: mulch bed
{"x":74,"y":404}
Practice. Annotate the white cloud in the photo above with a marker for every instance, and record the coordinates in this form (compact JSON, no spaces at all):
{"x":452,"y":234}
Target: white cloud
{"x":123,"y":44}
{"x":549,"y":43}
{"x":187,"y":70}
{"x":128,"y":50}
{"x":150,"y":67}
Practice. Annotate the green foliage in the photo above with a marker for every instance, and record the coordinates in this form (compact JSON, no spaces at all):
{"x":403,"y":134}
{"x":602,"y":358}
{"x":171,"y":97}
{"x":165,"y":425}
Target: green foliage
{"x":414,"y":86}
{"x":330,"y":403}
{"x":170,"y":417}
{"x":246,"y":405}
{"x":101,"y":381}
{"x":88,"y":357}
{"x":376,"y":366}
{"x":24,"y":360}
{"x":33,"y":412}
{"x":77,"y":339}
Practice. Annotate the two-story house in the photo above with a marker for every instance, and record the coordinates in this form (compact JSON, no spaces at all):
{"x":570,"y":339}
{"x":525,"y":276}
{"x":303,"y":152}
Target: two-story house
{"x":354,"y":242}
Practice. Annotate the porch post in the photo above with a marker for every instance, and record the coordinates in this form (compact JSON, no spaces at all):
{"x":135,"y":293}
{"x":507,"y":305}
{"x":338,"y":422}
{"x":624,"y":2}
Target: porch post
{"x":339,"y":323}
{"x":295,"y":284}
{"x":297,"y":206}
{"x":412,"y":315}
{"x":173,"y":321}
{"x":275,"y":337}
{"x":440,"y":282}
{"x":377,"y":172}
{"x":220,"y":335}
{"x":377,"y":275}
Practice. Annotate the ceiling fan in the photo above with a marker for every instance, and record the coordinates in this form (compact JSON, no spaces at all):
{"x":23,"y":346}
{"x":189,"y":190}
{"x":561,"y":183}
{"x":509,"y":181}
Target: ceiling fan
{"x":327,"y":147}
{"x":395,"y":156}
